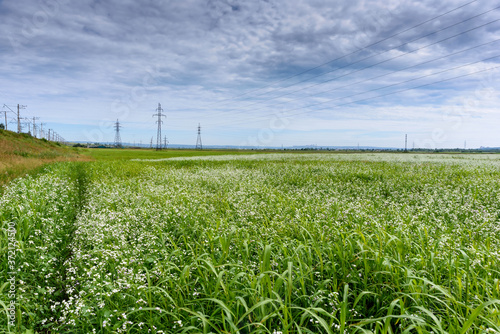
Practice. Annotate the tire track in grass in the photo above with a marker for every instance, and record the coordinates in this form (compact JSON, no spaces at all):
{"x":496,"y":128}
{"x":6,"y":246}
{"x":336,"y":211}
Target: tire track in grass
{"x":79,"y":178}
{"x":43,"y":210}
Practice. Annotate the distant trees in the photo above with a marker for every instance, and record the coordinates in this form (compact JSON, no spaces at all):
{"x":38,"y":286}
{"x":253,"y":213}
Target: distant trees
{"x":2,"y":126}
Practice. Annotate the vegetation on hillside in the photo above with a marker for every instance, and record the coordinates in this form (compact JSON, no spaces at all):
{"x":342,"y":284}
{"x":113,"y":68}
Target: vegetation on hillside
{"x":22,"y":153}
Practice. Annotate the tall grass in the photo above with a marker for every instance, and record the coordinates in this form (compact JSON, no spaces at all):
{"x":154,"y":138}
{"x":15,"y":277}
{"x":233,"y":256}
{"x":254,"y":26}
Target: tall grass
{"x":295,"y":244}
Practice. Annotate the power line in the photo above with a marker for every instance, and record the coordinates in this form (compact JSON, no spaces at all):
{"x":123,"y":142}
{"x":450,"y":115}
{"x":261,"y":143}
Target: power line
{"x":379,"y":76}
{"x":434,"y":43}
{"x":391,"y":85}
{"x":378,"y":63}
{"x":383,"y":95}
{"x":410,"y":80}
{"x":349,"y":54}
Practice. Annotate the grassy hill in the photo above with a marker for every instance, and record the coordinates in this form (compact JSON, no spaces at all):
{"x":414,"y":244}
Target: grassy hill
{"x":22,"y":153}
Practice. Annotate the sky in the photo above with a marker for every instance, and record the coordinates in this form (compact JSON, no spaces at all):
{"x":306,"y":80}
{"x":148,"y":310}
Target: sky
{"x":256,"y":72}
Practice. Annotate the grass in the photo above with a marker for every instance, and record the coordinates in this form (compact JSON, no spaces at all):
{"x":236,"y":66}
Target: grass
{"x":128,"y":154}
{"x":21,"y":154}
{"x":304,"y":243}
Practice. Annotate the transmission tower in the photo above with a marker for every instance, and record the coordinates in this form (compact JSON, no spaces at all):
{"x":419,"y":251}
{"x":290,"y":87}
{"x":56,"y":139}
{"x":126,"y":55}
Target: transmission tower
{"x":159,"y":114}
{"x":199,"y":146}
{"x":165,"y":142}
{"x":118,"y":139}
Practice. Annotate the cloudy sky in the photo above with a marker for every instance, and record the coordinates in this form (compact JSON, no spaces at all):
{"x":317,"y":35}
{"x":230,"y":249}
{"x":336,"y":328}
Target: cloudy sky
{"x":256,"y":72}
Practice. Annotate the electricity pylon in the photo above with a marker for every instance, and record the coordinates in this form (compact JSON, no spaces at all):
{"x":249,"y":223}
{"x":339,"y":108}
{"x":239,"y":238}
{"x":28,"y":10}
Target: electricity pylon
{"x":159,"y":114}
{"x":118,"y":139}
{"x":199,"y":145}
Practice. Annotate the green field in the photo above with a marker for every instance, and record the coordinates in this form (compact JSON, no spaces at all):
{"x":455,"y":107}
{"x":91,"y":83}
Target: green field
{"x":275,"y":243}
{"x":128,"y":154}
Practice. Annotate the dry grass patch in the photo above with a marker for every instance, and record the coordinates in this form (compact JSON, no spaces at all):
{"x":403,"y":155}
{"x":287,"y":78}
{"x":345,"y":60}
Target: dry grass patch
{"x":21,"y":154}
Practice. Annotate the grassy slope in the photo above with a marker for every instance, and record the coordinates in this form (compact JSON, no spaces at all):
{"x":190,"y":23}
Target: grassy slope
{"x":21,"y":153}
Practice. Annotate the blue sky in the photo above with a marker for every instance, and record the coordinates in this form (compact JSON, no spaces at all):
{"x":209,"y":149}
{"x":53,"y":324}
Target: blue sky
{"x":252,"y":73}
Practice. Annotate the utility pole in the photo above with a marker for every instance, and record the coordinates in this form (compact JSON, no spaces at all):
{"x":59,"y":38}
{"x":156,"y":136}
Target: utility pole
{"x":159,"y":122}
{"x":199,"y":146}
{"x":5,"y":113}
{"x":34,"y":126}
{"x":27,"y":121}
{"x":118,"y":139}
{"x":19,"y":118}
{"x":12,"y":111}
{"x":406,"y":143}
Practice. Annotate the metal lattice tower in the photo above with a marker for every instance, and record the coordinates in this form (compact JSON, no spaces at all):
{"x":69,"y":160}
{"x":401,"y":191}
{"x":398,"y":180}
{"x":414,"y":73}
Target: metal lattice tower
{"x":199,"y":146}
{"x":159,"y":114}
{"x":118,"y":139}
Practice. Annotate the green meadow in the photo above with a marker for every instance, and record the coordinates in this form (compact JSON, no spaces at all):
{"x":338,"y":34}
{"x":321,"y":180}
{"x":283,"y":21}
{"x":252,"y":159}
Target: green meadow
{"x":263,"y":243}
{"x":111,"y":154}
